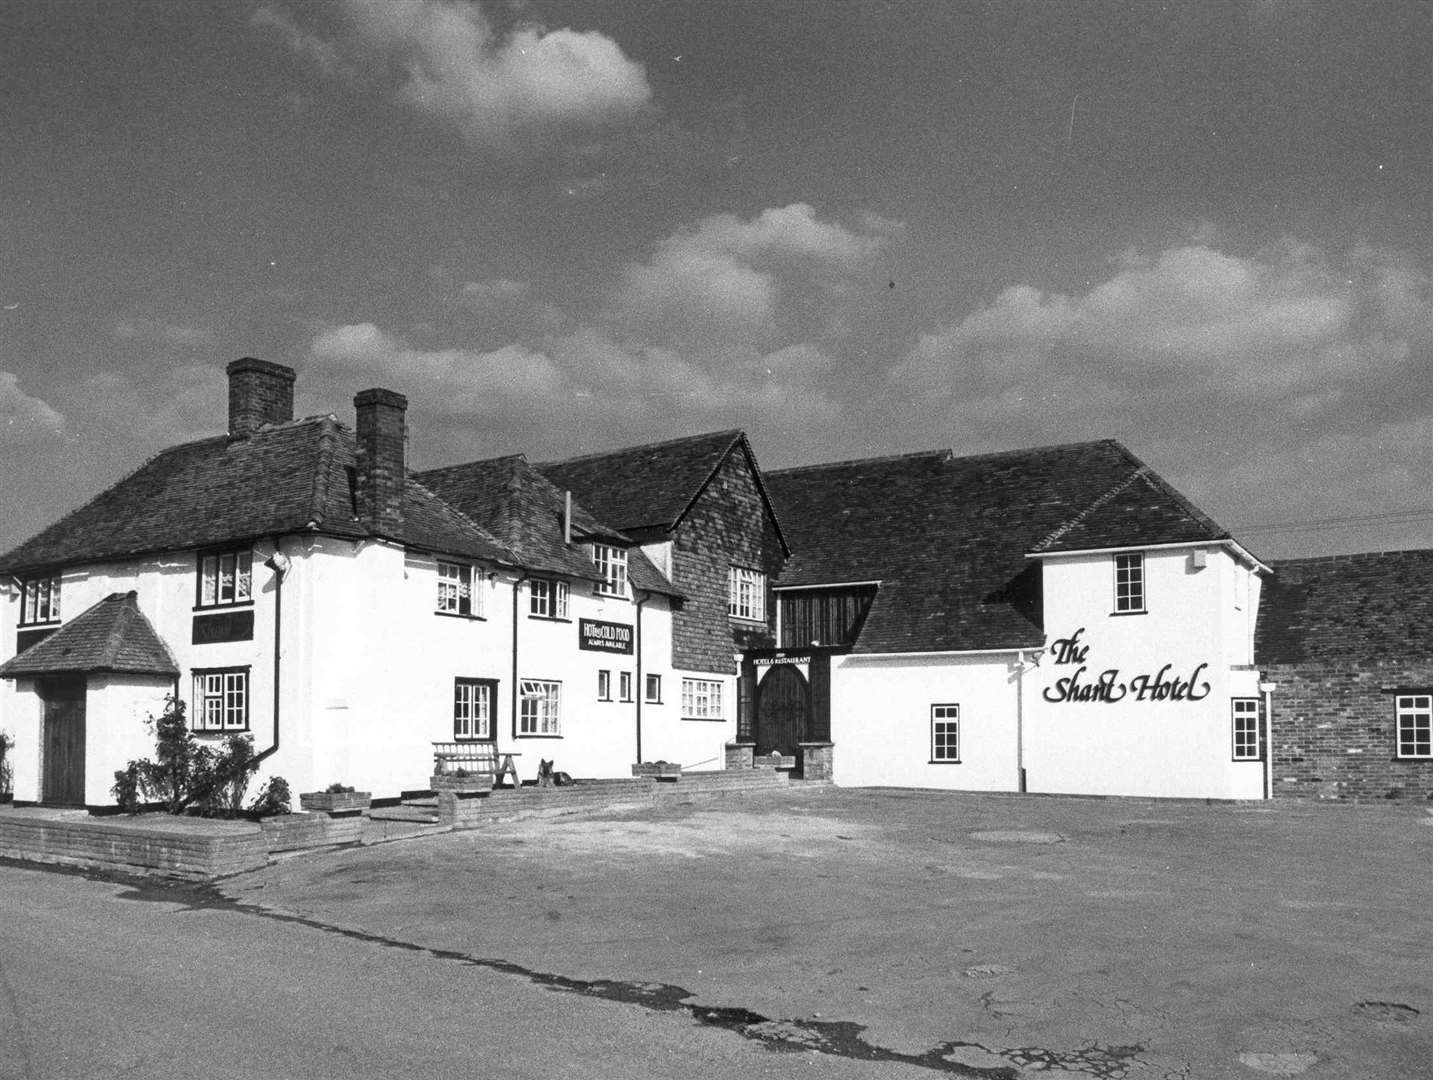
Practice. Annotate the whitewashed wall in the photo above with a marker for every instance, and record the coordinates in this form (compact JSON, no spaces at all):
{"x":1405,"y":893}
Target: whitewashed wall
{"x":881,"y":720}
{"x":1197,"y":632}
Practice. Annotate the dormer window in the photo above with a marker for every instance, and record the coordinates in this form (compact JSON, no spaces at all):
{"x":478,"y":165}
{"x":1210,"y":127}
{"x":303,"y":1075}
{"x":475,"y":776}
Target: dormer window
{"x":226,"y":577}
{"x":1129,"y":583}
{"x":458,"y":590}
{"x":746,"y":594}
{"x":40,"y":601}
{"x":611,"y":563}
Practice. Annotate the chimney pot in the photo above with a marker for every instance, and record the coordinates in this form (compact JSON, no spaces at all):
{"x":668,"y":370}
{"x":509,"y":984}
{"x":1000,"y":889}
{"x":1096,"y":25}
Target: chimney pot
{"x":260,"y":393}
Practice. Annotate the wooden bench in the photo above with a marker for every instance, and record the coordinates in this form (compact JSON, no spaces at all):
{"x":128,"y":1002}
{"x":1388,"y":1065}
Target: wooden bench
{"x":474,"y":757}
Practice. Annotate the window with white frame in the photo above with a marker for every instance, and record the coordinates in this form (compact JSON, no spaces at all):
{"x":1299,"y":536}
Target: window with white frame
{"x":611,"y":563}
{"x":1414,"y":713}
{"x":473,"y":708}
{"x":459,"y":589}
{"x":624,"y":685}
{"x":945,"y":733}
{"x":40,"y":601}
{"x":1245,"y":732}
{"x":604,"y":685}
{"x":221,"y":700}
{"x":225,"y":577}
{"x":746,"y":594}
{"x":547,"y":599}
{"x":540,"y":711}
{"x":701,"y":699}
{"x":654,"y":689}
{"x":1129,"y":582}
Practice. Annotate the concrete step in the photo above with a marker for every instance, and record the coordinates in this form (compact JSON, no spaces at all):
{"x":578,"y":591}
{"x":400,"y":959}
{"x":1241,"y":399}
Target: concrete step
{"x":416,"y":810}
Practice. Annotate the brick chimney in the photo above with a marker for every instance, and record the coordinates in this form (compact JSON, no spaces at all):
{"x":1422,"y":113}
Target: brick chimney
{"x":259,"y":393}
{"x":380,"y":462}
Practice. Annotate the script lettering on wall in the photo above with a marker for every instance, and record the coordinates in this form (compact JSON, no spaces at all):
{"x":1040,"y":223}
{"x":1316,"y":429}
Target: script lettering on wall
{"x":595,"y":635}
{"x":1110,"y":685}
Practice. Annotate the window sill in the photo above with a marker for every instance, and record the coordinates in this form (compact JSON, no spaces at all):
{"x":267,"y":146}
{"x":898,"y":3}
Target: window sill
{"x":549,"y":618}
{"x":706,"y":719}
{"x":745,"y":619}
{"x":216,"y":733}
{"x":37,"y":625}
{"x":224,"y":607}
{"x":473,"y":739}
{"x":534,"y":735}
{"x":1121,"y":614}
{"x":651,"y":701}
{"x":944,"y":761}
{"x":1413,"y":757}
{"x":461,"y":615}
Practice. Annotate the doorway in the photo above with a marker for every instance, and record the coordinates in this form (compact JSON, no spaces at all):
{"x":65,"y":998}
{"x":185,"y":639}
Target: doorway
{"x":783,"y":710}
{"x":62,"y":774}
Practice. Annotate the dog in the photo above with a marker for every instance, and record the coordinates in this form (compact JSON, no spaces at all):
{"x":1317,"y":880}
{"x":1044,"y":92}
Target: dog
{"x":547,"y":776}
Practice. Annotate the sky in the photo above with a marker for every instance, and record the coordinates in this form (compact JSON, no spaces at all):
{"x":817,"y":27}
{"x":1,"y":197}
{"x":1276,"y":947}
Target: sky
{"x":848,"y":228}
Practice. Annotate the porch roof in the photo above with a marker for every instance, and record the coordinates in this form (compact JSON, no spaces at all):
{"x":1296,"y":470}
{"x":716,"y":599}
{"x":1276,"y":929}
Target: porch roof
{"x":112,"y":636}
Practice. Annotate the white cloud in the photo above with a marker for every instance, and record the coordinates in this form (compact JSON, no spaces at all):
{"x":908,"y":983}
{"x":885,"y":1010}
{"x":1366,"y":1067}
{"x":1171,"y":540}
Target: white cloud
{"x":733,"y":283}
{"x":25,"y":419}
{"x":170,"y":406}
{"x":452,"y":64}
{"x":160,"y":332}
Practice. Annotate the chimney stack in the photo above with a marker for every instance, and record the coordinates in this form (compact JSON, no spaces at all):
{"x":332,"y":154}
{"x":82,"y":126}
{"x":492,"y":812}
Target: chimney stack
{"x":259,"y":393}
{"x":380,"y":464}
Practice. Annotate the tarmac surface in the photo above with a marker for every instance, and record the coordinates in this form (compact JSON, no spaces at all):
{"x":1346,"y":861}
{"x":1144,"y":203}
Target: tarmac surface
{"x":991,"y":936}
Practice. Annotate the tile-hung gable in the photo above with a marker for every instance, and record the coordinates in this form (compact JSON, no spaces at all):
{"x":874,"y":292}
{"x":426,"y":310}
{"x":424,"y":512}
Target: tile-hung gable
{"x":949,"y":538}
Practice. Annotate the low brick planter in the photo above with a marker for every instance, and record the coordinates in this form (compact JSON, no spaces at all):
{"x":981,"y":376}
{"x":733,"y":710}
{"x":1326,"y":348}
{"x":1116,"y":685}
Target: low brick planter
{"x":292,"y":832}
{"x":658,"y":770}
{"x":473,"y":783}
{"x":336,"y":802}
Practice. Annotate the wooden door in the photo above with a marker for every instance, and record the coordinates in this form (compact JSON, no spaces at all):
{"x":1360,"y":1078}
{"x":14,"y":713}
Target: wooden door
{"x":783,"y":710}
{"x":63,"y":750}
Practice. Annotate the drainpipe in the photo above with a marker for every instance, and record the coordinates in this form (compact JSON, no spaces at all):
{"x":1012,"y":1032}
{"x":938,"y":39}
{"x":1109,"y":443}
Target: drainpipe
{"x":1020,"y":721}
{"x":639,"y":691}
{"x":280,"y":564}
{"x":1267,"y":689}
{"x":516,"y":597}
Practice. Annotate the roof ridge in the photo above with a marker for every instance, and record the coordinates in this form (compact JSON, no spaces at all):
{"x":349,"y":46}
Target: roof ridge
{"x":945,"y":454}
{"x":468,"y":464}
{"x":730,"y":433}
{"x":118,"y":630}
{"x":328,"y":438}
{"x":1095,"y":504}
{"x":1347,"y":556}
{"x":485,"y":533}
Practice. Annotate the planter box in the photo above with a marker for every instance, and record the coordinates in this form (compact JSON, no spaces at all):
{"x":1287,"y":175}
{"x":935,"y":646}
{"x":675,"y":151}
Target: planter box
{"x":336,"y":802}
{"x":658,"y":770}
{"x":464,"y":785}
{"x":775,"y":761}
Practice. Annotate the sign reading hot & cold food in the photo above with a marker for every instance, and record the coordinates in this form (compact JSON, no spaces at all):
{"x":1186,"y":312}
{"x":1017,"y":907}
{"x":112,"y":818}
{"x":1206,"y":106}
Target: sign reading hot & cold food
{"x":1112,"y":685}
{"x":595,"y":635}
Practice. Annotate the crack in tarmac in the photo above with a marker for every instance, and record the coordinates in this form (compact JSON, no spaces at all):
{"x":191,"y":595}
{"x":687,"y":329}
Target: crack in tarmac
{"x":837,"y":1038}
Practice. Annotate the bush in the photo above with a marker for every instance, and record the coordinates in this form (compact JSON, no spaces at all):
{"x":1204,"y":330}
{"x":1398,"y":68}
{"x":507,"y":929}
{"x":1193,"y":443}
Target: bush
{"x":126,"y":788}
{"x":6,"y":743}
{"x":338,"y":789}
{"x":184,"y":773}
{"x":273,"y":798}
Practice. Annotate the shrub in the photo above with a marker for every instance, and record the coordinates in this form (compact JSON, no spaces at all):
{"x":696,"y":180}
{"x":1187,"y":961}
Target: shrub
{"x":184,"y":773}
{"x":126,"y":788}
{"x":6,"y":742}
{"x":338,"y":789}
{"x":273,"y":798}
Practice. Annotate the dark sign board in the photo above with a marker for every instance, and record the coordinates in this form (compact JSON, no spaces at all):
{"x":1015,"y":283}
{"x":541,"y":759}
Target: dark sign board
{"x":598,"y":636}
{"x":224,"y":626}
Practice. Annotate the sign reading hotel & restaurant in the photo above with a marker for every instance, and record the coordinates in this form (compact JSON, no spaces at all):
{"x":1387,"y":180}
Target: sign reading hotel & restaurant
{"x":595,"y":635}
{"x":767,"y":661}
{"x":1112,"y":685}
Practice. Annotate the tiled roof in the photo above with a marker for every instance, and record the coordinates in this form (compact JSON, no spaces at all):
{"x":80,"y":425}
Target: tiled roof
{"x":524,"y":509}
{"x":1359,"y":608}
{"x":647,"y":487}
{"x":111,"y":636}
{"x":286,"y":478}
{"x":946,"y":536}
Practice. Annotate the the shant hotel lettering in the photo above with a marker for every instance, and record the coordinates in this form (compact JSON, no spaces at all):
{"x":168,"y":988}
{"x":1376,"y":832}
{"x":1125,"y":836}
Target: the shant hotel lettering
{"x":1108,"y":686}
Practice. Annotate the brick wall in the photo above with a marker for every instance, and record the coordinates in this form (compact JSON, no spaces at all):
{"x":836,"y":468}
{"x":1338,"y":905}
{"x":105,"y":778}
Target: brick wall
{"x":260,"y":393}
{"x":380,"y":462}
{"x":728,"y":526}
{"x":1334,"y":733}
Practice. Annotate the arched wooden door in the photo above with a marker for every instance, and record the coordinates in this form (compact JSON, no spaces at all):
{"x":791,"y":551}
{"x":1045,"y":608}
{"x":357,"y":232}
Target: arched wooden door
{"x":783,"y":710}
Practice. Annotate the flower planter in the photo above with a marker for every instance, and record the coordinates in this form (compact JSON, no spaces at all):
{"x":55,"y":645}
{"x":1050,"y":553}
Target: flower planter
{"x":658,"y":770}
{"x":336,"y":802}
{"x":775,"y":761}
{"x":473,"y":783}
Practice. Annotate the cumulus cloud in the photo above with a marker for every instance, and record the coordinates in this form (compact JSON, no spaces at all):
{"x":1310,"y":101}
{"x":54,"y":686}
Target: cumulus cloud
{"x":160,"y":332}
{"x":452,"y":64}
{"x":730,"y":282}
{"x":164,"y":408}
{"x":25,"y":419}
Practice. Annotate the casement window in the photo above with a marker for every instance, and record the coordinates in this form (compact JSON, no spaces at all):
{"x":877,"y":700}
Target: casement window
{"x":945,"y":734}
{"x":547,"y":599}
{"x":701,"y":699}
{"x":459,"y":589}
{"x":746,"y":594}
{"x":1245,"y":729}
{"x":473,"y":708}
{"x":540,"y":711}
{"x":221,"y":700}
{"x":40,"y":601}
{"x":604,"y":685}
{"x":654,"y":689}
{"x":1414,"y":715}
{"x":1129,"y":583}
{"x":225,"y":577}
{"x":624,"y":685}
{"x":611,"y":563}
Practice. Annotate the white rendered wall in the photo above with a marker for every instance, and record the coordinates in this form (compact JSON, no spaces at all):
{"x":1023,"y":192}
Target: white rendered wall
{"x":881,"y":721}
{"x":117,"y":708}
{"x":1191,"y":637}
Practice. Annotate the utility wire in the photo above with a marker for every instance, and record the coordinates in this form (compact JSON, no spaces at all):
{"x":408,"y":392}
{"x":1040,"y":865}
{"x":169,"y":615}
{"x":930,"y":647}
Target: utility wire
{"x":1348,"y":521}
